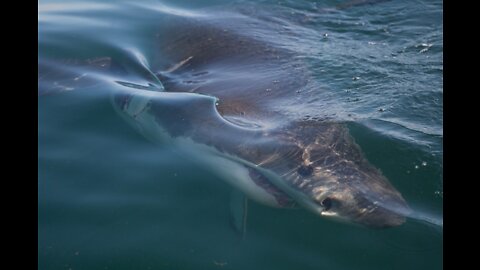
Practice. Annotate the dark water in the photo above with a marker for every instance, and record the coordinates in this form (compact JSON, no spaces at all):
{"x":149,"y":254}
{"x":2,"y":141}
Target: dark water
{"x":111,"y":199}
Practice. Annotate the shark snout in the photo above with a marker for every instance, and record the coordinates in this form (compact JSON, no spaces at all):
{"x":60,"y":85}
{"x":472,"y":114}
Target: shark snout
{"x":388,"y":211}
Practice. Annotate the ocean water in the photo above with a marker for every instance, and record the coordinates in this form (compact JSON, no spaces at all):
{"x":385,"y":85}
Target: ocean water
{"x":108,"y":198}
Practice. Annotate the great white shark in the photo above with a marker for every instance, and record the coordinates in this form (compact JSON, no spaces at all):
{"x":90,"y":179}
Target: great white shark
{"x":220,"y":105}
{"x":224,"y":96}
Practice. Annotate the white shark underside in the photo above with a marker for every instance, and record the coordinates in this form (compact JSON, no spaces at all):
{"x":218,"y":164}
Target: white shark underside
{"x":233,"y":170}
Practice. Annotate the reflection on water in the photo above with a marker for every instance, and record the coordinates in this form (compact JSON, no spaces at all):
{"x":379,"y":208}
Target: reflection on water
{"x":247,"y":76}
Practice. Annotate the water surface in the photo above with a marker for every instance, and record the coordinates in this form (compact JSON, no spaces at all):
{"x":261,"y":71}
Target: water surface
{"x":111,"y":199}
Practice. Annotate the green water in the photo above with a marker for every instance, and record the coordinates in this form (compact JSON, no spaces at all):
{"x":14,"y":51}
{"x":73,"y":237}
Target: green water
{"x":110,"y":199}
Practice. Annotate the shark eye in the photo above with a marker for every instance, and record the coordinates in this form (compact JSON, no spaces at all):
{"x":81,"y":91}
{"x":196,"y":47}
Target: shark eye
{"x":305,"y":170}
{"x":327,"y":204}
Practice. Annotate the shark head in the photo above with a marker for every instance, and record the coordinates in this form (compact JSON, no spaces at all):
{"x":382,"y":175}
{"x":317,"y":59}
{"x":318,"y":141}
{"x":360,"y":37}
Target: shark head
{"x":330,"y":176}
{"x":354,"y":195}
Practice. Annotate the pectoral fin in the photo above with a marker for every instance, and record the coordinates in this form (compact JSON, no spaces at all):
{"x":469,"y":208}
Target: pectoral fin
{"x":239,"y":212}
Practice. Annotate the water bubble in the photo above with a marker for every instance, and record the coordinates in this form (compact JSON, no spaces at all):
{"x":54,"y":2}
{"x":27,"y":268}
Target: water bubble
{"x":424,"y":163}
{"x":416,"y":167}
